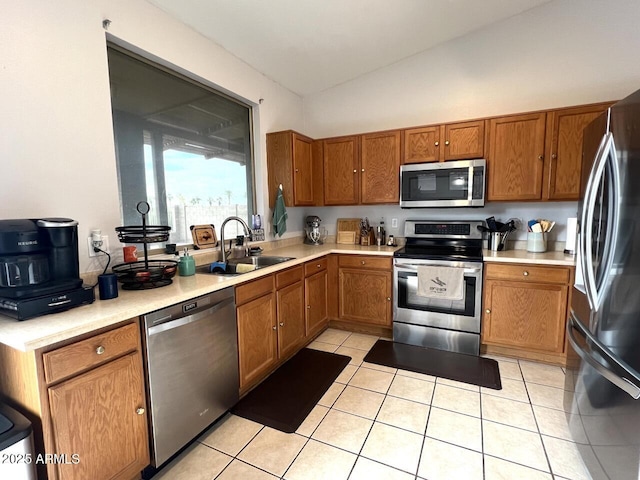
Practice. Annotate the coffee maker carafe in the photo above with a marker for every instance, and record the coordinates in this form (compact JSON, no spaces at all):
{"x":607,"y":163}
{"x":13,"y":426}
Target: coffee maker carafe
{"x":315,"y":234}
{"x":39,"y":269}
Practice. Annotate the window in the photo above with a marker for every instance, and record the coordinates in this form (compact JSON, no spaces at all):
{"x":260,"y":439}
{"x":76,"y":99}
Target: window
{"x":181,"y":146}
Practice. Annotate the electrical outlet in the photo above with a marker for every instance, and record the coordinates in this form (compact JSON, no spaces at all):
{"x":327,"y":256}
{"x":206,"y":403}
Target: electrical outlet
{"x":104,"y":246}
{"x":394,"y":223}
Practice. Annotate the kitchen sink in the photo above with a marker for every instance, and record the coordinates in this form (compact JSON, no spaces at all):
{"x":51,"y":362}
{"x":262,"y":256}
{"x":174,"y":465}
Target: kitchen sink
{"x":237,"y":266}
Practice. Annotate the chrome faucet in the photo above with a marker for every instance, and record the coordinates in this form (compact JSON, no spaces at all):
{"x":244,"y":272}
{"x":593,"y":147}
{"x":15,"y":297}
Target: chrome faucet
{"x":247,"y":233}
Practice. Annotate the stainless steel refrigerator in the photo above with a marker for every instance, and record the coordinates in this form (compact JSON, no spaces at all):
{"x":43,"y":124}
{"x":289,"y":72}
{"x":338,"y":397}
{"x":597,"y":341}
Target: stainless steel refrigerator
{"x":603,"y":370}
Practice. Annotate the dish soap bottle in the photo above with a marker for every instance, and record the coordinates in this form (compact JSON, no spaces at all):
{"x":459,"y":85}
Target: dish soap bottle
{"x":186,"y":265}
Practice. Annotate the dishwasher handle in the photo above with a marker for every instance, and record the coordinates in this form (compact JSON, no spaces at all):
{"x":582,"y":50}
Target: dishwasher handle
{"x":179,"y":322}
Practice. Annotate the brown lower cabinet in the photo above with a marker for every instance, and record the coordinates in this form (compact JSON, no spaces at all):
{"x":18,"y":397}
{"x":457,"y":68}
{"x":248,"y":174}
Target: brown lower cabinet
{"x":316,"y":297}
{"x":271,"y":323}
{"x":365,"y":289}
{"x":525,"y":309}
{"x":84,"y":397}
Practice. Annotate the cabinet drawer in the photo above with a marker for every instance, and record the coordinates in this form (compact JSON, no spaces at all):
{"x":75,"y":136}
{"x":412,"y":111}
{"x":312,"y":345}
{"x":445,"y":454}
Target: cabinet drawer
{"x":79,"y":356}
{"x":254,"y":289}
{"x":314,"y":266}
{"x":289,"y":276}
{"x":529,"y":273}
{"x":362,"y":261}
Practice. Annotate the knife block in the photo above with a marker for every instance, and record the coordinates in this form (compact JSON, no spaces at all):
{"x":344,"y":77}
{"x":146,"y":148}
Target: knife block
{"x":368,"y":239}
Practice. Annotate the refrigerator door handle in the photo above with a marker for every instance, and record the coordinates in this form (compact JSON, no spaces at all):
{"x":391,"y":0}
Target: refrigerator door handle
{"x":631,"y":387}
{"x":594,"y":296}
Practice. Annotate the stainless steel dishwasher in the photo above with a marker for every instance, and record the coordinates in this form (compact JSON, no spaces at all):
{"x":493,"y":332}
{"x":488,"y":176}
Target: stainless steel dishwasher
{"x":191,"y":354}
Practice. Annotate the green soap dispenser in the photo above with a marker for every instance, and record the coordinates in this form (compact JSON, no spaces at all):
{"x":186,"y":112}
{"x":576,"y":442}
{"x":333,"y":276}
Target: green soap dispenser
{"x":186,"y":265}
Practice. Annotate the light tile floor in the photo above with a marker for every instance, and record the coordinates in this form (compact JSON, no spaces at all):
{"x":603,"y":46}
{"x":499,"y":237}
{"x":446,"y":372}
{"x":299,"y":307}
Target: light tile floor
{"x":377,"y":422}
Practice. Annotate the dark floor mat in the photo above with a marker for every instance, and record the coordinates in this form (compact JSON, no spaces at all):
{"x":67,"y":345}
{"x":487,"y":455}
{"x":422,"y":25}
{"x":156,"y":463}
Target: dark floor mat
{"x":461,"y":367}
{"x":285,"y":399}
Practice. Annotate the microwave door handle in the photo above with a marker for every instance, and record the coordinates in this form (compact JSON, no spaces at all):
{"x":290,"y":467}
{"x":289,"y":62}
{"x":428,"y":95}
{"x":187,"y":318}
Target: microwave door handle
{"x":631,"y":387}
{"x":470,"y":184}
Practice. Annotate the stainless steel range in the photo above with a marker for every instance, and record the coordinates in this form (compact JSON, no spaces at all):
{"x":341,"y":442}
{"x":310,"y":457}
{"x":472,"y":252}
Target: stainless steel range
{"x":443,"y":323}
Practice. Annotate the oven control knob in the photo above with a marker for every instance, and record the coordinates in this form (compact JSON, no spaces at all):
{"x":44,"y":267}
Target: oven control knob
{"x":487,"y":311}
{"x":525,"y":273}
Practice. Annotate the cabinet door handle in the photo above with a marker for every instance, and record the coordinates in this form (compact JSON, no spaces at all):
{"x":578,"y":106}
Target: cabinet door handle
{"x":525,"y":273}
{"x":388,"y":299}
{"x":274,"y":327}
{"x":355,"y":171}
{"x":100,"y":350}
{"x":308,"y":307}
{"x":446,"y":142}
{"x":540,"y":157}
{"x":297,"y":170}
{"x":140,"y":411}
{"x":487,"y":311}
{"x":553,"y":156}
{"x":282,"y":324}
{"x":437,"y":143}
{"x":363,"y":169}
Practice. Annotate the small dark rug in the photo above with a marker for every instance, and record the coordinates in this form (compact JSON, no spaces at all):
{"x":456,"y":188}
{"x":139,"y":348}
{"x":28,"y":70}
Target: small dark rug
{"x":287,"y":396}
{"x":461,"y":367}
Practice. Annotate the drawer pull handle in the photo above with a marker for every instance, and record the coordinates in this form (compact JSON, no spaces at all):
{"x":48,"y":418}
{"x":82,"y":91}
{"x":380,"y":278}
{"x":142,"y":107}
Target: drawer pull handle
{"x":140,"y":411}
{"x":100,"y":350}
{"x":525,"y":273}
{"x":487,"y":311}
{"x":318,"y":265}
{"x":362,"y":262}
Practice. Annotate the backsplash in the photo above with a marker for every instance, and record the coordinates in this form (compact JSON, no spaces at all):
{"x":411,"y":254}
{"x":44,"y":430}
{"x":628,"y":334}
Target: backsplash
{"x":502,"y":211}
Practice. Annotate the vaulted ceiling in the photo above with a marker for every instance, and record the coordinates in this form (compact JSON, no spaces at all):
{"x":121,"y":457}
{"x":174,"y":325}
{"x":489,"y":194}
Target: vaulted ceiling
{"x":312,"y":45}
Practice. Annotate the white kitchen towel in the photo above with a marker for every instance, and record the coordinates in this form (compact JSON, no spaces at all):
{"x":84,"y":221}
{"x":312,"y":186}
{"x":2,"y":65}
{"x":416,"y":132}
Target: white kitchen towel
{"x":441,"y":282}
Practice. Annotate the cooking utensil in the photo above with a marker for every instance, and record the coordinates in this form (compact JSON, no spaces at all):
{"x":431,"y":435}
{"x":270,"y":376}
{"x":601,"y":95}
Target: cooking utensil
{"x":491,"y":223}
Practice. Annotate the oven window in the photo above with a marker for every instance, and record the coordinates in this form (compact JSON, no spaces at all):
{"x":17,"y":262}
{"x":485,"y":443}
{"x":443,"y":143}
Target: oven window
{"x":409,"y":299}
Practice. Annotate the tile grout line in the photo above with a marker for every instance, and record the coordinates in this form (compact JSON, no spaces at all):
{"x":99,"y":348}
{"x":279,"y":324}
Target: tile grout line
{"x":426,"y":426}
{"x":535,"y":418}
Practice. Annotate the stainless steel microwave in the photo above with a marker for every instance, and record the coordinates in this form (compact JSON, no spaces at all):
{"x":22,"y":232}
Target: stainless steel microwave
{"x":443,"y":184}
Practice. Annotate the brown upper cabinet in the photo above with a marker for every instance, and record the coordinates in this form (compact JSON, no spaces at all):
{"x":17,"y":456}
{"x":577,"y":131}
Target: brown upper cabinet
{"x":531,"y":156}
{"x":290,"y":163}
{"x":362,"y":169}
{"x":515,"y":157}
{"x":341,"y":160}
{"x":564,"y":151}
{"x":380,"y":168}
{"x":538,"y":156}
{"x":439,"y":143}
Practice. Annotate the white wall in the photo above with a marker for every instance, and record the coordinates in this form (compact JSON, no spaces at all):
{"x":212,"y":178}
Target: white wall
{"x":566,"y":52}
{"x":56,"y":136}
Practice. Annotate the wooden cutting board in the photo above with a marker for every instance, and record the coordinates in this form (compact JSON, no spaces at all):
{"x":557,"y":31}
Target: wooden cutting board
{"x":345,"y":227}
{"x":204,"y":236}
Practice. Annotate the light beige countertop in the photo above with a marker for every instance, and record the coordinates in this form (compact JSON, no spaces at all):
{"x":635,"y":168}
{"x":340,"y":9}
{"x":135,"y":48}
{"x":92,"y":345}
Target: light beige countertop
{"x":522,"y":256}
{"x":49,"y":329}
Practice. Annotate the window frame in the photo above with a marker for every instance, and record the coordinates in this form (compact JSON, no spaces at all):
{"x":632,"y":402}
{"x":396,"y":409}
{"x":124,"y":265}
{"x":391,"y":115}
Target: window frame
{"x":157,"y":133}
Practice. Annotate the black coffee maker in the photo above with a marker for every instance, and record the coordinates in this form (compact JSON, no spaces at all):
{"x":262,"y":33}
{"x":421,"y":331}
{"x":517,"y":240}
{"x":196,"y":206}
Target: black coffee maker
{"x":39,"y":270}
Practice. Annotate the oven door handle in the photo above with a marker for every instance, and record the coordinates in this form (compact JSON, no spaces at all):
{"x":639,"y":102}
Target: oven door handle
{"x":403,"y":267}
